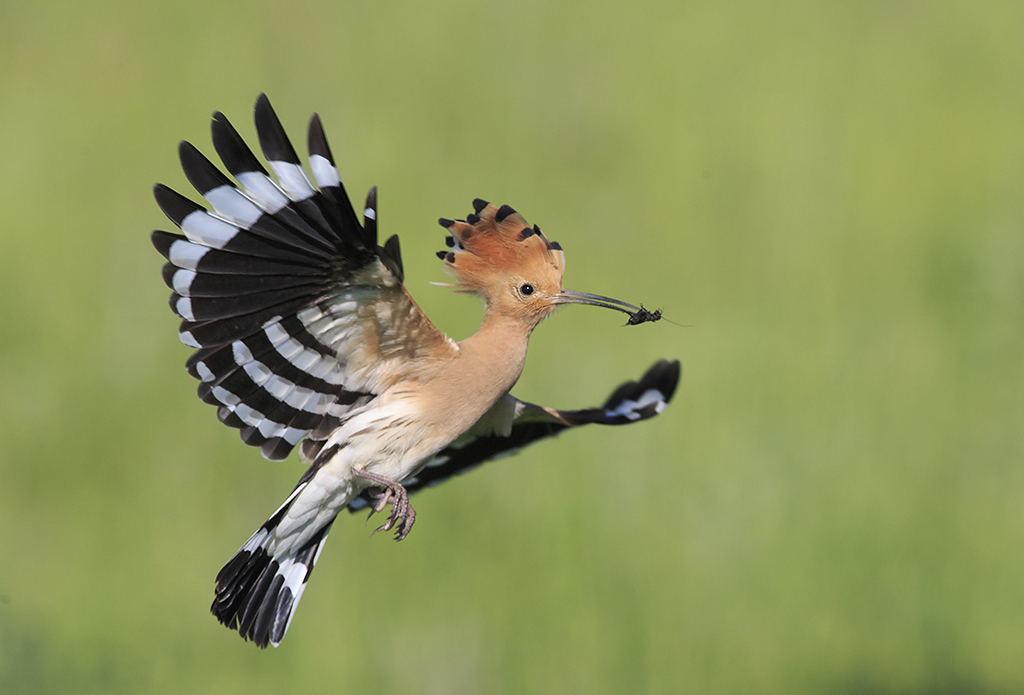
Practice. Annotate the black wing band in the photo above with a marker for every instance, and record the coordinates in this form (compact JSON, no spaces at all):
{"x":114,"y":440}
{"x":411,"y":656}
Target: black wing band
{"x":254,"y":279}
{"x":631,"y":402}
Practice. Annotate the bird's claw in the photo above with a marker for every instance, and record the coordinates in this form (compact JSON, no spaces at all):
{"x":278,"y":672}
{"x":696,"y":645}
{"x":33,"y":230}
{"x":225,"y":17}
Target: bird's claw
{"x":402,"y":515}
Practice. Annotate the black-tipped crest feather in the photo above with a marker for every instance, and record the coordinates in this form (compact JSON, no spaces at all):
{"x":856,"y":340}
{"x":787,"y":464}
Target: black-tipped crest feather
{"x":299,"y":325}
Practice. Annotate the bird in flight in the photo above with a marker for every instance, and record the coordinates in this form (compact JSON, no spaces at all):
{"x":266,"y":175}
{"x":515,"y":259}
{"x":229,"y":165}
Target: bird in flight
{"x":305,"y":335}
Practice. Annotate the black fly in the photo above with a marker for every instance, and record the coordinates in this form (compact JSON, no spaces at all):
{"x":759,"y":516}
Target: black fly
{"x":642,"y":315}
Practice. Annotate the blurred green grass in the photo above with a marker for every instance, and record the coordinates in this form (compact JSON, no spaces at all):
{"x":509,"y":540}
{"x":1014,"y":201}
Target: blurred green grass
{"x":829,"y":195}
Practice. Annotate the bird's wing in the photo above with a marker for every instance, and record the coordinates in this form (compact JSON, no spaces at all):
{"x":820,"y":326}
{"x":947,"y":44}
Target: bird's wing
{"x":296,"y":314}
{"x":512,"y":424}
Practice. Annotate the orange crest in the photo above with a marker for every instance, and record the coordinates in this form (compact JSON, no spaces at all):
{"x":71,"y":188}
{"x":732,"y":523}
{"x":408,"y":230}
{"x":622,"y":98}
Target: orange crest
{"x":494,"y":242}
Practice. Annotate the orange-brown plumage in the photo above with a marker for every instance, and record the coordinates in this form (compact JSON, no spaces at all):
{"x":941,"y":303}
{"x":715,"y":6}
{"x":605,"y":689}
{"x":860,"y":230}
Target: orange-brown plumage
{"x":499,"y":256}
{"x":305,"y":333}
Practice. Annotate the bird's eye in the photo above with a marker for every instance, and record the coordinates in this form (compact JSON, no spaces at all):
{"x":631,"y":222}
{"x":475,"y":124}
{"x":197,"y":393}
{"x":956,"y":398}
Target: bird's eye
{"x":526,"y":289}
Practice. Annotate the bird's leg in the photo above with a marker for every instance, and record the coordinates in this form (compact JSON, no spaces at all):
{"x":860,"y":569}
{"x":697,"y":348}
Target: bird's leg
{"x":402,"y":514}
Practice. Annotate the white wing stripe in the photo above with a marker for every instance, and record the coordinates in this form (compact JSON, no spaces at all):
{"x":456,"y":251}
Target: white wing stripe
{"x":226,"y":397}
{"x":229,"y":202}
{"x":183,"y":307}
{"x":323,"y":171}
{"x":187,"y":255}
{"x":302,"y":357}
{"x":202,"y":228}
{"x":629,"y":408}
{"x":182,"y":281}
{"x":205,"y":373}
{"x":270,"y":430}
{"x":282,"y":389}
{"x":260,"y":373}
{"x":187,"y":338}
{"x":293,"y":180}
{"x":263,"y":191}
{"x":248,"y":415}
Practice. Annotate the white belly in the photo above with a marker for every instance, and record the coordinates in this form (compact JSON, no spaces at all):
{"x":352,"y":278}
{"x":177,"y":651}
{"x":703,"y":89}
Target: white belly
{"x":389,"y":439}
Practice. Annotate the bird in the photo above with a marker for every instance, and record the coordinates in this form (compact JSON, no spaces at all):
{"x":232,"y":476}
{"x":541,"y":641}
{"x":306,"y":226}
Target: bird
{"x":305,"y":335}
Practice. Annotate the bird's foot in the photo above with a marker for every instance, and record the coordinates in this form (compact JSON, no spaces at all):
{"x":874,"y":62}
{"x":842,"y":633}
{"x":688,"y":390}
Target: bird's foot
{"x":402,"y":514}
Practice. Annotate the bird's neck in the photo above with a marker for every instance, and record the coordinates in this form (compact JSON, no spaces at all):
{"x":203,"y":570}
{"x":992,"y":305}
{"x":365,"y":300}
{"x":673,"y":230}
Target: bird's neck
{"x":496,"y":353}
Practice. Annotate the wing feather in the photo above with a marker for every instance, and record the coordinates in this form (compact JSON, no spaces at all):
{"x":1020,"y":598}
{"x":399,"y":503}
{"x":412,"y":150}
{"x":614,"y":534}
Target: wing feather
{"x":513,"y":424}
{"x":296,"y":314}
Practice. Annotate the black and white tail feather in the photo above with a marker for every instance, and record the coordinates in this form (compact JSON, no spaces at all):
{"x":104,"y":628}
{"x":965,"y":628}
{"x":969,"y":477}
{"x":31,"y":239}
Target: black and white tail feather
{"x":267,"y":283}
{"x":257,"y":593}
{"x":262,"y":283}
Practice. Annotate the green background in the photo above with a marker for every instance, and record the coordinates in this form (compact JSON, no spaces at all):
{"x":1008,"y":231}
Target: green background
{"x":830,"y":197}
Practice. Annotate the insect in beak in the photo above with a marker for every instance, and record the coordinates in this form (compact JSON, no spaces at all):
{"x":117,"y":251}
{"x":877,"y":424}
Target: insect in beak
{"x":637,"y":314}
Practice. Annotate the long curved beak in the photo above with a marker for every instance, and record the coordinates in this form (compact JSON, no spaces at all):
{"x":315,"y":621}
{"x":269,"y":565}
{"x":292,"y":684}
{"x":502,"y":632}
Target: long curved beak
{"x":571,"y":297}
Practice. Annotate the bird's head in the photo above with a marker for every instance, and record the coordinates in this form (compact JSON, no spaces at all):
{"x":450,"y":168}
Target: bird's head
{"x":496,"y":254}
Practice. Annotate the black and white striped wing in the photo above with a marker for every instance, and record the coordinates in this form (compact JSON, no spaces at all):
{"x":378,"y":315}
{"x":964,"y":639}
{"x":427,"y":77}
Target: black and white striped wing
{"x":279,"y":287}
{"x":498,"y":435}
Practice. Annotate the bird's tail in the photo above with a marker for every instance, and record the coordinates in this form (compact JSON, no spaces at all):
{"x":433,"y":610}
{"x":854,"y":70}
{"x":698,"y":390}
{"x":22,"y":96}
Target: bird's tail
{"x":257,"y":593}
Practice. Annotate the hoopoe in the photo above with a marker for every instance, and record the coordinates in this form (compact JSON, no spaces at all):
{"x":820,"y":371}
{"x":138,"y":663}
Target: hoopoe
{"x":305,"y":335}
